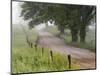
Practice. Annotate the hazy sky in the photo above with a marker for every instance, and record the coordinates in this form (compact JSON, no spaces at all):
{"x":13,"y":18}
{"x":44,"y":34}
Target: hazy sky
{"x":16,"y":11}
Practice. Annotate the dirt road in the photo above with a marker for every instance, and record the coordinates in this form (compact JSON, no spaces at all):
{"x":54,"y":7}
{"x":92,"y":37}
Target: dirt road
{"x":84,"y":57}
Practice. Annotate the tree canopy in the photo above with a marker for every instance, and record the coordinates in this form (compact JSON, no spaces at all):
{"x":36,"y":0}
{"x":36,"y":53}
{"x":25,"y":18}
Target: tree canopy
{"x":74,"y":17}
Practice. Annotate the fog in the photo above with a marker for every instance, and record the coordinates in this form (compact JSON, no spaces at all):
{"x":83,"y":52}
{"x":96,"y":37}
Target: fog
{"x":17,"y":20}
{"x":16,"y":11}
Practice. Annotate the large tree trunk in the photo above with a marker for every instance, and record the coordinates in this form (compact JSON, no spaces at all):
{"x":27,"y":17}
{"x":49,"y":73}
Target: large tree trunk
{"x":61,"y":28}
{"x":82,"y":34}
{"x":74,"y":34}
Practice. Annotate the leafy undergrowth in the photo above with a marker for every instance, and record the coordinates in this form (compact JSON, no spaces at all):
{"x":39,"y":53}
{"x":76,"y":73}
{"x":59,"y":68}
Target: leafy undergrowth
{"x":26,"y":59}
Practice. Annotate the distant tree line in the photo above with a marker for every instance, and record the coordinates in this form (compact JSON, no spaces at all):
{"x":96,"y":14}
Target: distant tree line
{"x":74,"y":17}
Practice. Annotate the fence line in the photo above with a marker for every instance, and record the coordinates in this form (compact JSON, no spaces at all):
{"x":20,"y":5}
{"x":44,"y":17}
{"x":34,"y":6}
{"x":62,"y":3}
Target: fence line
{"x":69,"y":61}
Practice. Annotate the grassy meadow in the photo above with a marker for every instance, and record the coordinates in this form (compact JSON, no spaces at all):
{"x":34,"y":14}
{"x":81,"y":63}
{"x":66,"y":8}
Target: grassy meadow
{"x":26,"y":59}
{"x":90,"y":38}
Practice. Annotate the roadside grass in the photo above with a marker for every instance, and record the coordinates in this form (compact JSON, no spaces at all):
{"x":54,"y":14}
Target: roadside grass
{"x":29,"y":60}
{"x":90,"y":38}
{"x":26,"y":59}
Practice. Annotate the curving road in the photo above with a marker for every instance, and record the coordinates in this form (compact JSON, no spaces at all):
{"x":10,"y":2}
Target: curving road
{"x":84,"y":57}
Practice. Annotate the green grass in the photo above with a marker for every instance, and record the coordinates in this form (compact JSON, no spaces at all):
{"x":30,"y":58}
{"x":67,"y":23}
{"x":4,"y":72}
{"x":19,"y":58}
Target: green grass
{"x":29,"y":60}
{"x":90,"y":38}
{"x":26,"y":59}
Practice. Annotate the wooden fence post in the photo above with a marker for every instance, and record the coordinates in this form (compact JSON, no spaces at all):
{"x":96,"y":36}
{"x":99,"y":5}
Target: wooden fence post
{"x":51,"y":54}
{"x":69,"y":61}
{"x":31,"y":45}
{"x":37,"y":40}
{"x":42,"y":51}
{"x":35,"y":47}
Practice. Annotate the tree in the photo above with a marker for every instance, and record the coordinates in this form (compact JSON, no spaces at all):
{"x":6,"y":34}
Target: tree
{"x":42,"y":13}
{"x":75,"y":17}
{"x":87,"y":13}
{"x":32,"y":11}
{"x":79,"y":18}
